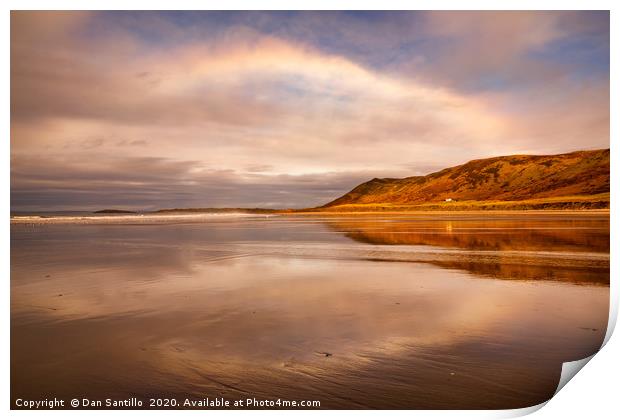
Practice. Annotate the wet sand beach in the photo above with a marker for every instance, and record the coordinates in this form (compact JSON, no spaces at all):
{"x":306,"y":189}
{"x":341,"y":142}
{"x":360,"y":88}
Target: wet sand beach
{"x":410,"y":311}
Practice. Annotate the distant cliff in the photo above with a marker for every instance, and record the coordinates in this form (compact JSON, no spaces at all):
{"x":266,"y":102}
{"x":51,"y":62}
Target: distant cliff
{"x":580,"y":177}
{"x":114,"y":211}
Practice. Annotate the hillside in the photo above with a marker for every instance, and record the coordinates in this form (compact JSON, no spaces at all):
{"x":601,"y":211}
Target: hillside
{"x":114,"y":211}
{"x":571,"y":180}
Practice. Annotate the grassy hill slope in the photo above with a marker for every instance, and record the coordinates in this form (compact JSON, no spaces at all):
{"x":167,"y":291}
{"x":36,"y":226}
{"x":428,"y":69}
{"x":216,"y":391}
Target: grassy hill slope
{"x":571,"y":180}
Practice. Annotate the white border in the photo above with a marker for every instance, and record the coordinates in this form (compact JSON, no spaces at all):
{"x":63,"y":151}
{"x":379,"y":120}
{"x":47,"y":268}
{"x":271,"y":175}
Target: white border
{"x":593,"y":394}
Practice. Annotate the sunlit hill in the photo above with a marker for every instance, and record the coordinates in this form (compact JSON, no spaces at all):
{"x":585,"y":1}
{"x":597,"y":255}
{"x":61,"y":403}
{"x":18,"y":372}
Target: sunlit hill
{"x":578,"y":180}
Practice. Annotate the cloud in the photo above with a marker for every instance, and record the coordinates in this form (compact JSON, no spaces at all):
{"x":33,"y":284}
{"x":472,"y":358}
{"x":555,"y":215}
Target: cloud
{"x":252,"y":109}
{"x":56,"y":183}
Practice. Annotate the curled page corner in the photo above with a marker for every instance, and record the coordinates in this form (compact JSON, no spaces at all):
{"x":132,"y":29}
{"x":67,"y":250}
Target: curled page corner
{"x":570,"y":369}
{"x":521,"y":412}
{"x":613,"y":317}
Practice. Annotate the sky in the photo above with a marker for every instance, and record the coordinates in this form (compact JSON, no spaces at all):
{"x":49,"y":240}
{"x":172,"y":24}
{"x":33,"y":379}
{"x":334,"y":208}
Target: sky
{"x":151,"y":110}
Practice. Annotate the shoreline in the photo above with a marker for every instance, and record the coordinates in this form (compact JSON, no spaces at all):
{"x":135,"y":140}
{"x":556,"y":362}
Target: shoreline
{"x":592,"y":204}
{"x":192,"y":216}
{"x":456,"y":212}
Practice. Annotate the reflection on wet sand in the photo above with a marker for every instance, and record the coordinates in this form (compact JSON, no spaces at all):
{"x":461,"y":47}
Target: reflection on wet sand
{"x":590,"y":234}
{"x":291,"y":308}
{"x":581,"y":235}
